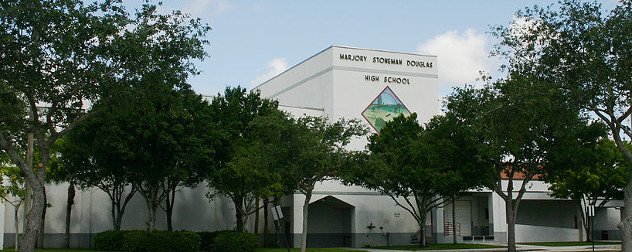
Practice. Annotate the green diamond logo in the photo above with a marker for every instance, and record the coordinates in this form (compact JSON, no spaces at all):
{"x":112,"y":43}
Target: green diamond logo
{"x":384,"y":108}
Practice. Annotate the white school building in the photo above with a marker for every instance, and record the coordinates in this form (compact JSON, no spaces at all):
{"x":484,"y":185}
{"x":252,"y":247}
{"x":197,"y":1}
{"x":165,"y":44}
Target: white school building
{"x":374,"y":86}
{"x":342,"y":82}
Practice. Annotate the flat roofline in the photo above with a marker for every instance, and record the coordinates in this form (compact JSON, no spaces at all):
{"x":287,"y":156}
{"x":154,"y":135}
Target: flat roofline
{"x":379,"y":50}
{"x":332,"y":46}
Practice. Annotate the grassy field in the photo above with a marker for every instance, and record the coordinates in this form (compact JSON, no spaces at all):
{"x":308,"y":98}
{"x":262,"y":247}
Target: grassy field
{"x":309,"y":250}
{"x":256,"y":250}
{"x":56,"y":250}
{"x":440,"y":247}
{"x":562,"y":244}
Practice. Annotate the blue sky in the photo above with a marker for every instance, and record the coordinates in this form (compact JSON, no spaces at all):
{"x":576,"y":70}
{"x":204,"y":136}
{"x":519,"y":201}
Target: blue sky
{"x":252,"y":41}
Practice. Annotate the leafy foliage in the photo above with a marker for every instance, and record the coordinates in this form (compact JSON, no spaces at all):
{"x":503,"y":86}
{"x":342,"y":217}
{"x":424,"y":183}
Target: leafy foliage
{"x":12,"y":188}
{"x":523,"y":129}
{"x":584,"y":54}
{"x":110,"y":240}
{"x":161,"y":241}
{"x":208,"y":238}
{"x":54,"y":53}
{"x":66,"y":55}
{"x":235,"y":241}
{"x":599,"y":174}
{"x":238,"y":175}
{"x":419,"y":167}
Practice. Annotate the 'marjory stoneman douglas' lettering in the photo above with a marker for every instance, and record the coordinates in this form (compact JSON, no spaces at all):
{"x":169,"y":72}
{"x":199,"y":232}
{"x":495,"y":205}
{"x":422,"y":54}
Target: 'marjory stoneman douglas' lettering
{"x":387,"y":61}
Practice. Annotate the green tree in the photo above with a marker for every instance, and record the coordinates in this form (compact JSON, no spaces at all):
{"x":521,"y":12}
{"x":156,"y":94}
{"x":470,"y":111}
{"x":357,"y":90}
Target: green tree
{"x":597,"y":176}
{"x":12,"y":190}
{"x":452,"y":149}
{"x":318,"y":153}
{"x":419,"y":167}
{"x":92,"y":155}
{"x":54,"y":53}
{"x":198,"y":144}
{"x":587,"y":54}
{"x":520,"y":128}
{"x":58,"y":174}
{"x":164,"y":150}
{"x":235,"y":110}
{"x":65,"y":55}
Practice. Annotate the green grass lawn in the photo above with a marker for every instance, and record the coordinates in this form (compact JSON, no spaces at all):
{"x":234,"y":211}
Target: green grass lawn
{"x":256,"y":250}
{"x":440,"y":246}
{"x":56,"y":250}
{"x":562,"y":244}
{"x":309,"y":250}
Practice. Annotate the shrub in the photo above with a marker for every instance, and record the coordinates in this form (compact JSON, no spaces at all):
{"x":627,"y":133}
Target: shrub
{"x":111,"y":240}
{"x":233,"y":241}
{"x":208,"y":239}
{"x":161,"y":241}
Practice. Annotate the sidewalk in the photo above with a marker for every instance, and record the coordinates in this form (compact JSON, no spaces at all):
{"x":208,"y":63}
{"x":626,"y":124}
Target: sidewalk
{"x":521,"y":247}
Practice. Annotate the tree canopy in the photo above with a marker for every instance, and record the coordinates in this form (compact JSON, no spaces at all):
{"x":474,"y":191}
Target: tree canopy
{"x":60,"y":56}
{"x":418,"y":167}
{"x":235,"y":176}
{"x":585,"y":54}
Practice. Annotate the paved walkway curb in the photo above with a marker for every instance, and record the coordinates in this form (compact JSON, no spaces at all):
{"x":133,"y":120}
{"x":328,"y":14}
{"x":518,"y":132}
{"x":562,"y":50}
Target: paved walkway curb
{"x":520,"y":247}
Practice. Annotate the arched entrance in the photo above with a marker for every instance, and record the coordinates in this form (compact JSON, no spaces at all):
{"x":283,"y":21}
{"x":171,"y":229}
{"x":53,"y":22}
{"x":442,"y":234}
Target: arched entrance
{"x":329,"y":224}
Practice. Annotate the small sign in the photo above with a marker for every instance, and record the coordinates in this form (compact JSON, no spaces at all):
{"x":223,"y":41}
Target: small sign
{"x":277,"y":213}
{"x":591,"y":210}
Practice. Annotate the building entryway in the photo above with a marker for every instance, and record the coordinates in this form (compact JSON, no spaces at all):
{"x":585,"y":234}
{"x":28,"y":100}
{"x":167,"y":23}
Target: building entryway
{"x":329,"y":223}
{"x":463,"y":216}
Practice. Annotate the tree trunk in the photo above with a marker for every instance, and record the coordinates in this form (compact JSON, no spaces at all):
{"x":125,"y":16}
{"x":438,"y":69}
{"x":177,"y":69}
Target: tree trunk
{"x":16,"y":215}
{"x":70,"y":201}
{"x":169,"y":212}
{"x":118,"y":207}
{"x":151,"y":222}
{"x":422,"y":228}
{"x":170,"y":201}
{"x":266,"y":232}
{"x":115,"y":224}
{"x":238,"y":201}
{"x":34,"y":217}
{"x":40,"y":237}
{"x":626,"y":222}
{"x":454,"y":220}
{"x":308,"y":197}
{"x":152,"y":207}
{"x":256,"y":231}
{"x":511,"y":226}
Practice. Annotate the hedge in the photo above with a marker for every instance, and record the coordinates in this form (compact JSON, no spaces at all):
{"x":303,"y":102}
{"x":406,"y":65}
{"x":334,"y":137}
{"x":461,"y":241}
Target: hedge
{"x":111,"y":240}
{"x":233,"y":241}
{"x":145,"y":241}
{"x":161,"y":241}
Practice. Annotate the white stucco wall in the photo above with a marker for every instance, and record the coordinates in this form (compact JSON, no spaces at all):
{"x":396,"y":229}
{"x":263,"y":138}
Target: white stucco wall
{"x":91,"y":214}
{"x":531,"y":233}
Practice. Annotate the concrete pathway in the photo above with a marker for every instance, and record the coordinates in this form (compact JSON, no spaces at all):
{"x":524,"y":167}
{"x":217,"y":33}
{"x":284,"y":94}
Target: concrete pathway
{"x":521,"y":247}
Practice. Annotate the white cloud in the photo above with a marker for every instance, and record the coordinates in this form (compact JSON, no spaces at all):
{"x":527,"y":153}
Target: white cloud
{"x":275,"y":67}
{"x":199,"y":7}
{"x":460,"y":56}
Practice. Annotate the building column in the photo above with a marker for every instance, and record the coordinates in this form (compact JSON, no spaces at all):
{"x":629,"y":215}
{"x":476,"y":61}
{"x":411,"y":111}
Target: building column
{"x":297,"y":219}
{"x":438,"y":221}
{"x":498,"y":218}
